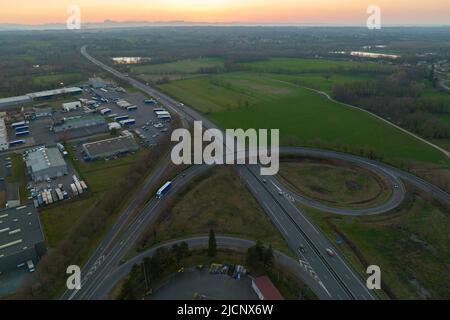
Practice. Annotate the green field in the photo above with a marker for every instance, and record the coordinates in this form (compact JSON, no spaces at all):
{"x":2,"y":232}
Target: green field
{"x":338,"y":184}
{"x":292,"y":65}
{"x":249,"y":100}
{"x":216,"y":200}
{"x":188,"y":66}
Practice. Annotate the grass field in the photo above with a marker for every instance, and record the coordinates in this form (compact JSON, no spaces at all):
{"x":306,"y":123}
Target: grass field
{"x":248,"y":100}
{"x":293,"y":65}
{"x":411,"y":246}
{"x":335,"y":183}
{"x":18,"y":175}
{"x":188,"y":66}
{"x":219,"y":201}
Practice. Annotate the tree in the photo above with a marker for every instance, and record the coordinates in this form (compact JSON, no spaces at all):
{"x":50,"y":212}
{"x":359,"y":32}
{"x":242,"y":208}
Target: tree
{"x":212,"y":245}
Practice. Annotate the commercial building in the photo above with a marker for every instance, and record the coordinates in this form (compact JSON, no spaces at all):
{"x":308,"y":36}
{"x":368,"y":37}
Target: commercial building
{"x":44,"y":163}
{"x":80,"y":122}
{"x":14,"y":101}
{"x":21,"y":238}
{"x":110,"y":147}
{"x":4,"y":144}
{"x":71,"y":106}
{"x":265,"y":289}
{"x":10,"y":102}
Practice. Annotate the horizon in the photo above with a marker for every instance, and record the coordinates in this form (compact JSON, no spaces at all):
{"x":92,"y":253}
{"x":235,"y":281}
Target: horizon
{"x":247,"y":12}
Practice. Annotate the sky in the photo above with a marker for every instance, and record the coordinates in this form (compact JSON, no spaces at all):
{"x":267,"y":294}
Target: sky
{"x":334,"y":12}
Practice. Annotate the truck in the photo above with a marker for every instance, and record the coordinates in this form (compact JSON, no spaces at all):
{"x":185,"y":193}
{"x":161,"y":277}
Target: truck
{"x":22,"y":128}
{"x":132,"y":108}
{"x":164,"y":189}
{"x":23,"y":133}
{"x":83,"y":185}
{"x":105,"y":111}
{"x":49,"y":197}
{"x":121,"y":118}
{"x":59,"y":194}
{"x":20,"y":124}
{"x":44,"y":197}
{"x":128,"y":122}
{"x":74,"y":189}
{"x":16,"y":143}
{"x":79,"y":188}
{"x":30,"y":266}
{"x":149,"y":101}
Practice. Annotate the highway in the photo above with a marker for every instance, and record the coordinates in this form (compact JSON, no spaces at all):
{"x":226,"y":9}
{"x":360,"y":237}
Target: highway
{"x":333,"y":277}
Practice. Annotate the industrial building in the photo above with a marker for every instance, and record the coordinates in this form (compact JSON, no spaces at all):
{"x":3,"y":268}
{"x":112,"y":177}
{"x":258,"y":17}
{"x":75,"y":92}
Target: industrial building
{"x":80,"y":122}
{"x":4,"y":144}
{"x":10,"y":102}
{"x":48,"y":94}
{"x":14,"y":101}
{"x":71,"y":106}
{"x":21,"y":238}
{"x":45,"y":163}
{"x":110,"y":147}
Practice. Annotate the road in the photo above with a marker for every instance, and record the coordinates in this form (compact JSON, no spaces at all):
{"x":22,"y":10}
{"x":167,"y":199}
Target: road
{"x":122,"y":271}
{"x":333,"y":276}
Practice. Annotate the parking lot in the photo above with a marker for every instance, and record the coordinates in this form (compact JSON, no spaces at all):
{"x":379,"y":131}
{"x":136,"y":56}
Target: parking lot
{"x":201,"y":284}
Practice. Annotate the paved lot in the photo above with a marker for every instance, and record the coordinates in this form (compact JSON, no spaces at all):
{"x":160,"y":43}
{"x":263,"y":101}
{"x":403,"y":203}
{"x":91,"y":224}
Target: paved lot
{"x":184,"y":286}
{"x":11,"y":281}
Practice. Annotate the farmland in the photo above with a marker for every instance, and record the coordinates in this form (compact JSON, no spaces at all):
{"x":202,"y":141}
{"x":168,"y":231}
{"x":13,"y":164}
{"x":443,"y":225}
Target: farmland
{"x":249,"y":100}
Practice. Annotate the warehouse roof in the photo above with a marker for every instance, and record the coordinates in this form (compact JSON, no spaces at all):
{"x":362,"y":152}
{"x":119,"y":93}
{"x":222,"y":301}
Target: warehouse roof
{"x":20,"y":229}
{"x":44,"y":158}
{"x":79,"y":122}
{"x":267,"y":289}
{"x":111,"y":146}
{"x":49,"y":93}
{"x":10,"y":101}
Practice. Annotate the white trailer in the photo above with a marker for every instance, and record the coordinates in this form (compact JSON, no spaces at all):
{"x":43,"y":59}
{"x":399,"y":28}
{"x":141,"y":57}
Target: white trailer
{"x":75,"y":178}
{"x":44,"y":197}
{"x":78,"y":185}
{"x":59,"y":194}
{"x":83,"y":185}
{"x":49,"y":197}
{"x":74,"y":189}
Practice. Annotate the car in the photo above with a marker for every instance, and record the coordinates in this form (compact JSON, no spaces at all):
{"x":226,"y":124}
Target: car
{"x":301,"y":249}
{"x":264,"y":181}
{"x":330,"y":252}
{"x":280,"y":193}
{"x":396,"y":186}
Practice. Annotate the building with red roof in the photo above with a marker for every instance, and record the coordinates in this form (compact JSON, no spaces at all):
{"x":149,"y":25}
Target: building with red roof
{"x":265,"y":289}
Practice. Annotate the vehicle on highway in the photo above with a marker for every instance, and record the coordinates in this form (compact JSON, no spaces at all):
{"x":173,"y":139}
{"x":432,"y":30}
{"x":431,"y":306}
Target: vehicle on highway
{"x":301,"y":249}
{"x":280,"y":193}
{"x":330,"y":252}
{"x":164,"y":189}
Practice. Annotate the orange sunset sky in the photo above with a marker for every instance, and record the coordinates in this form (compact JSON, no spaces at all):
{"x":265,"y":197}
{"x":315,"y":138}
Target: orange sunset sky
{"x":349,"y":12}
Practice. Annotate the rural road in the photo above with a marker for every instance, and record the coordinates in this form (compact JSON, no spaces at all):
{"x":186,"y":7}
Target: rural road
{"x":333,"y":276}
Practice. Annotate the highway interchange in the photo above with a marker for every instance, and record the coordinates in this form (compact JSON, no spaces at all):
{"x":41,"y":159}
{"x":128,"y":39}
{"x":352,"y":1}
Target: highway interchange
{"x":329,"y":277}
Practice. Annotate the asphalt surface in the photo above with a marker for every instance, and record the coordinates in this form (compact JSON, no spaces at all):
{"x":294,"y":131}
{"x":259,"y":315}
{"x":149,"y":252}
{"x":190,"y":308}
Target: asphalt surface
{"x":329,"y":277}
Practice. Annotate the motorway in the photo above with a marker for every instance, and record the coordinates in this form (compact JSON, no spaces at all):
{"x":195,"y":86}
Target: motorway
{"x":332,"y":277}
